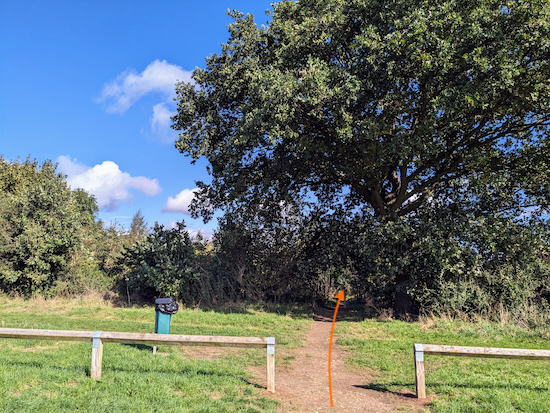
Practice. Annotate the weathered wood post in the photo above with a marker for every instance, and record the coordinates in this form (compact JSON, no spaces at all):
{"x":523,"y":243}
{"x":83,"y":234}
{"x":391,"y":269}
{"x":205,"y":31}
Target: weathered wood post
{"x":100,"y":337}
{"x":97,"y":356}
{"x":271,"y":364}
{"x":420,"y":378}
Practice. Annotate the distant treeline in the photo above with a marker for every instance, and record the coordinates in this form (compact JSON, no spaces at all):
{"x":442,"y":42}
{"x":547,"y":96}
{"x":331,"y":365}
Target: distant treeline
{"x":51,"y":243}
{"x":442,"y":259}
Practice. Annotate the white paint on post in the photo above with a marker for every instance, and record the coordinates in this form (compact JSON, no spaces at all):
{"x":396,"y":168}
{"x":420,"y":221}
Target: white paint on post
{"x":420,"y":378}
{"x":271,"y":364}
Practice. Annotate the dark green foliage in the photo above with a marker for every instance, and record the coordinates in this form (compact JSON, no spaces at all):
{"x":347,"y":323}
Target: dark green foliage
{"x":372,"y":103}
{"x":41,"y":223}
{"x":409,"y":138}
{"x":95,"y":264}
{"x":443,"y":258}
{"x":262,"y":255}
{"x":447,"y":261}
{"x":167,"y":263}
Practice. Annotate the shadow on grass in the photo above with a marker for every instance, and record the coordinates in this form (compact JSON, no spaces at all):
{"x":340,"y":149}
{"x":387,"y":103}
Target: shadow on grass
{"x":41,"y":365}
{"x":190,"y":372}
{"x":346,"y":312}
{"x":295,"y":311}
{"x":139,"y":346}
{"x":489,"y":386}
{"x":351,"y":310}
{"x":386,"y":388}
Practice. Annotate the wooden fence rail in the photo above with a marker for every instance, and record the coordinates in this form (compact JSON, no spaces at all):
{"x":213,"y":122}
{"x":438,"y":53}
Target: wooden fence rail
{"x":492,"y":352}
{"x":99,"y":337}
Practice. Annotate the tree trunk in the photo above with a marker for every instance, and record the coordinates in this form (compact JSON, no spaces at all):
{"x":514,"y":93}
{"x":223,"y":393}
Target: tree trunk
{"x":403,"y":302}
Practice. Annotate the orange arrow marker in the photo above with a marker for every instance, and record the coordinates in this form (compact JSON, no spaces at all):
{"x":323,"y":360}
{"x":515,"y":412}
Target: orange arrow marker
{"x":340,"y":297}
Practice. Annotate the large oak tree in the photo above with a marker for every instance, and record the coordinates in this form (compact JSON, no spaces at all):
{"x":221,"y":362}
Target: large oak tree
{"x":377,"y":103}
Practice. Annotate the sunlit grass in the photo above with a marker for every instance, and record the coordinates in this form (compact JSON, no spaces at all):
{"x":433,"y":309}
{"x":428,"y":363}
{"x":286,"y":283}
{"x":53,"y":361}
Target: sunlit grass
{"x":54,"y":376}
{"x":455,"y":384}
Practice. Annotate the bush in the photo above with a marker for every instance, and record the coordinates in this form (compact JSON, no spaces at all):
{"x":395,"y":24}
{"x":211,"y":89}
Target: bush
{"x":41,"y":223}
{"x":168,"y":263}
{"x":83,"y":279}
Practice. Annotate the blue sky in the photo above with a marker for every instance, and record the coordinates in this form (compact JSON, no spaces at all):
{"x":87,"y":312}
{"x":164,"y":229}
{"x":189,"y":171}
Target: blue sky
{"x":89,"y":84}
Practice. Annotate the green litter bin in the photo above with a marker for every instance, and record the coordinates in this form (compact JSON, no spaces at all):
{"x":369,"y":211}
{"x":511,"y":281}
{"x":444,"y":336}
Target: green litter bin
{"x":164,"y":308}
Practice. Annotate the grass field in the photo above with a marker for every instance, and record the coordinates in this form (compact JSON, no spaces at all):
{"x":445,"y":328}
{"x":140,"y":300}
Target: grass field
{"x":455,"y":384}
{"x":48,"y":376}
{"x":45,"y":376}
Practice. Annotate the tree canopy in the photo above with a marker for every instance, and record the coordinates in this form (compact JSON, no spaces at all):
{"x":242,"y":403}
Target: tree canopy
{"x":376,"y":104}
{"x":41,"y":223}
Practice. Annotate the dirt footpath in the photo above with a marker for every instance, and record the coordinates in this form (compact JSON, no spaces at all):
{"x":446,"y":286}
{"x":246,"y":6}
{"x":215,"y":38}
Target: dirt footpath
{"x":304,"y":387}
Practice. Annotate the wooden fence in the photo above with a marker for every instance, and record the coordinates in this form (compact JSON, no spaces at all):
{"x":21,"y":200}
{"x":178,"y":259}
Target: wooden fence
{"x":492,"y":352}
{"x":99,"y":337}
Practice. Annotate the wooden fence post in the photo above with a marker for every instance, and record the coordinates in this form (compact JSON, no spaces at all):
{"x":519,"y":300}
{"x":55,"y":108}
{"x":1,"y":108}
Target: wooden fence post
{"x":100,"y":337}
{"x":419,"y":371}
{"x":97,"y":356}
{"x":271,"y":364}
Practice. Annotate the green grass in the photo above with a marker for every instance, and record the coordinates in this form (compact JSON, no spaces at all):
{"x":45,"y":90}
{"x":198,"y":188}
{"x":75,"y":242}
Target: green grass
{"x":456,"y":384}
{"x":46,"y":376}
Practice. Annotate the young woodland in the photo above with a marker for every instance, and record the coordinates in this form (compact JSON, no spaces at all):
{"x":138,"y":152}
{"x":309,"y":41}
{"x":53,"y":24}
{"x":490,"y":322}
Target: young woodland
{"x":395,"y":148}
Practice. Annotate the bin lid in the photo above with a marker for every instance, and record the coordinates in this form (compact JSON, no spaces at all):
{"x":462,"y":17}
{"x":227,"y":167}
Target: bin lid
{"x":163,"y":300}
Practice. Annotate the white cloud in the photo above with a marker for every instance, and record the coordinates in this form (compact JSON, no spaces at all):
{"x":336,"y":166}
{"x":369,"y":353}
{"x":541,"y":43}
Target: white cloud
{"x":70,"y":168}
{"x":130,"y":86}
{"x":161,"y":122}
{"x":161,"y":116}
{"x":159,"y":77}
{"x":181,"y":202}
{"x":106,"y":181}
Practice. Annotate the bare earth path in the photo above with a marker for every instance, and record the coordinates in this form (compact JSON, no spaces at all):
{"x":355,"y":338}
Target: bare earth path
{"x":303,"y":387}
